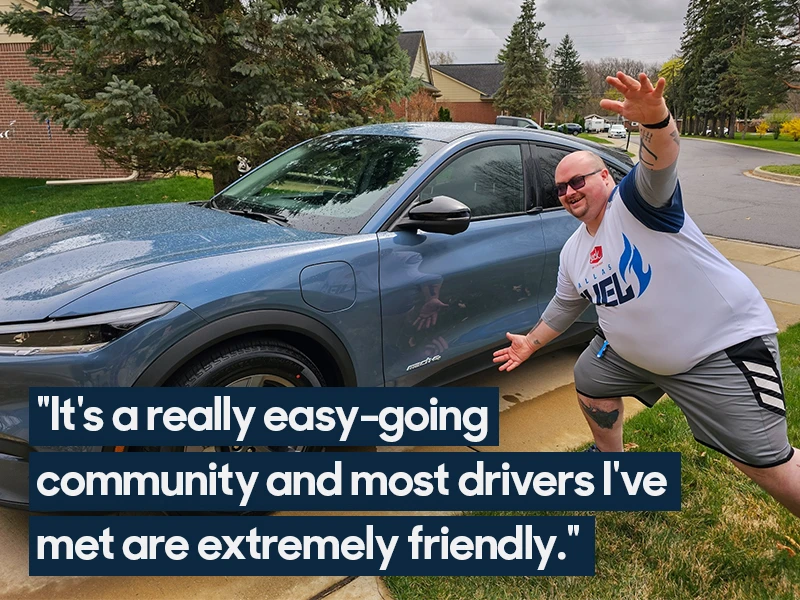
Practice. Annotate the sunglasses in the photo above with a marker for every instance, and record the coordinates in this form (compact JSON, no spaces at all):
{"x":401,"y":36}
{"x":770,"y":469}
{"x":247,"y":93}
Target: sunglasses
{"x":575,"y":183}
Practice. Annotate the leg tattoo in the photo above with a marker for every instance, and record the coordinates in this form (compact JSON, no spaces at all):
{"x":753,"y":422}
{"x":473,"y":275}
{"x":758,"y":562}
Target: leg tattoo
{"x":605,"y":419}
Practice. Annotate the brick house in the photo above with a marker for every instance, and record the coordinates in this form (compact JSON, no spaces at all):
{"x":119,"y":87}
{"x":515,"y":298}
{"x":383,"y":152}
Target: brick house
{"x":29,"y":148}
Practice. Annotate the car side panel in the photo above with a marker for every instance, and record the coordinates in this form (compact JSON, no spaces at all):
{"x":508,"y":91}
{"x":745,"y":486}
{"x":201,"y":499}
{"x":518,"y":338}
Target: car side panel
{"x":447,"y":297}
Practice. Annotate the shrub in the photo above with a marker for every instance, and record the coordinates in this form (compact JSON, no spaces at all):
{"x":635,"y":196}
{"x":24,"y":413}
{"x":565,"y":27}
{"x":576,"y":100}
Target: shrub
{"x":444,"y":114}
{"x":792,"y":128}
{"x":776,"y":121}
{"x":761,"y":128}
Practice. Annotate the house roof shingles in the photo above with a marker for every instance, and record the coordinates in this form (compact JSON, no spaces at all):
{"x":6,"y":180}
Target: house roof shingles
{"x":409,"y":41}
{"x":78,"y":10}
{"x":485,"y":77}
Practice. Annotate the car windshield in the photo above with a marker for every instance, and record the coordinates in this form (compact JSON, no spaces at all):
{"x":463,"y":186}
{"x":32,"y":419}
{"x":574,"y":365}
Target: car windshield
{"x":332,"y":184}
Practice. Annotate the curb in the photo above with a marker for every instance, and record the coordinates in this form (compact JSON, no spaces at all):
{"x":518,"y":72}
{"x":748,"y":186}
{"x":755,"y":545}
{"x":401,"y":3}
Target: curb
{"x":780,"y":177}
{"x":749,"y":243}
{"x":753,"y":175}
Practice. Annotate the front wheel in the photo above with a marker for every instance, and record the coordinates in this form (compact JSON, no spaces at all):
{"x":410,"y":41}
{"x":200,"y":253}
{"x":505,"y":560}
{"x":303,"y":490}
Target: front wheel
{"x":255,"y":363}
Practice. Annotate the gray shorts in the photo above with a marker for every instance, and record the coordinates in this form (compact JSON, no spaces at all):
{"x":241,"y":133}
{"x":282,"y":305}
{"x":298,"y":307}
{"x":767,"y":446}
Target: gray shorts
{"x":733,"y":400}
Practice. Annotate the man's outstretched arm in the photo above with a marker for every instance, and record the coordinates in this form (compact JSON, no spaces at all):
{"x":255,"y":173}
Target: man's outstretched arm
{"x":656,"y":176}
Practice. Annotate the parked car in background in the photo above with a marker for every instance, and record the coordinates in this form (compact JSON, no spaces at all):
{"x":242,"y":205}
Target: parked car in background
{"x":550,"y":126}
{"x":517,"y":122}
{"x":617,"y":131}
{"x":386,"y":255}
{"x":710,"y":131}
{"x":570,"y":128}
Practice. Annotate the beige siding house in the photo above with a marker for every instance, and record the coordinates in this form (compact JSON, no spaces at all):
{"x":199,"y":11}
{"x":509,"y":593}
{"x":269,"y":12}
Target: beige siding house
{"x":468,"y":90}
{"x":421,"y":106}
{"x":6,"y":6}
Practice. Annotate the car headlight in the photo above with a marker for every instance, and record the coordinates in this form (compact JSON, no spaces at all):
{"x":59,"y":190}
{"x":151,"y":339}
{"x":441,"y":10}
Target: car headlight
{"x":76,"y":335}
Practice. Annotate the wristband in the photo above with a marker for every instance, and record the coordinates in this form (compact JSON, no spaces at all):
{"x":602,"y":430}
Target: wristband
{"x":659,"y":125}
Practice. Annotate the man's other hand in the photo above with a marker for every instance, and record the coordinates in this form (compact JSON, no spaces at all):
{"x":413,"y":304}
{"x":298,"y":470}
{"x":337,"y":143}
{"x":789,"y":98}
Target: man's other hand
{"x":514,"y":355}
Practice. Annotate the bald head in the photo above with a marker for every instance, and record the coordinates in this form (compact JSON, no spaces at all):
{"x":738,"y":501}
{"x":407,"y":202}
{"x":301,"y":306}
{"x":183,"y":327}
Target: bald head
{"x":581,"y":160}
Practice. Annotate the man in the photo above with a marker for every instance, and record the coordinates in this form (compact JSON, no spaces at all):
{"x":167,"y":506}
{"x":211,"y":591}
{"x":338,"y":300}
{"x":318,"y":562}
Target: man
{"x":677,"y":317}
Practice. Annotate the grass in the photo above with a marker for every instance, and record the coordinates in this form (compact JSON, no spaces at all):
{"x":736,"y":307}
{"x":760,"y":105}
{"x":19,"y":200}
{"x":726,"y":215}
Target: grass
{"x":783,"y":169}
{"x":728,"y":541}
{"x":594,"y":138}
{"x":26,"y":200}
{"x":783,"y":144}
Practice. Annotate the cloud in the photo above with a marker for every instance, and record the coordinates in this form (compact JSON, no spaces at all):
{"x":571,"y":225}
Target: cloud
{"x":475,"y":30}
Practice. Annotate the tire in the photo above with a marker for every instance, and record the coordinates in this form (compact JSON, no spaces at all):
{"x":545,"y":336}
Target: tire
{"x":247,"y":363}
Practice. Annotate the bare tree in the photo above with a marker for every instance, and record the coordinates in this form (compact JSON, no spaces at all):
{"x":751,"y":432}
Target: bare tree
{"x":440,"y":57}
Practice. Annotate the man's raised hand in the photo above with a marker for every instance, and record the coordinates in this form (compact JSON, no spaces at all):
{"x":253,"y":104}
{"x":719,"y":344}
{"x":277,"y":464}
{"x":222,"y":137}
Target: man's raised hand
{"x":643,"y":103}
{"x":514,"y":355}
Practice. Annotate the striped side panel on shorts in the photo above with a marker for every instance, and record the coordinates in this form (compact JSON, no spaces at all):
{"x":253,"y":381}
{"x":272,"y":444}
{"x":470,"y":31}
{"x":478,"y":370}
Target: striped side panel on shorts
{"x":756,"y":363}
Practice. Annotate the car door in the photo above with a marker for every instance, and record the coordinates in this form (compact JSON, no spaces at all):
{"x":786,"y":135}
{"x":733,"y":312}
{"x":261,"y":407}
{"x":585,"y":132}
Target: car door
{"x":445,"y":298}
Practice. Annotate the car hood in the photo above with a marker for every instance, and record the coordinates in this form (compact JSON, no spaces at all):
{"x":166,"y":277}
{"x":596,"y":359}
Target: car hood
{"x":52,"y":262}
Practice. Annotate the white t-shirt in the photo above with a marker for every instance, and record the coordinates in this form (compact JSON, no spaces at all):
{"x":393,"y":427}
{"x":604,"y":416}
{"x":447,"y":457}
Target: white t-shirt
{"x":666,"y":298}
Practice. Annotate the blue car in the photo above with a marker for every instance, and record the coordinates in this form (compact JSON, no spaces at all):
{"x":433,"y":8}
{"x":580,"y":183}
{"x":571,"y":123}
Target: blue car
{"x":385,"y":255}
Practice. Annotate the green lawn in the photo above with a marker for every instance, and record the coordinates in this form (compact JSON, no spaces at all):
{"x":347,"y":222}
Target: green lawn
{"x":783,"y":169}
{"x":594,"y":138}
{"x":728,"y":542}
{"x":26,"y":200}
{"x":782,"y":144}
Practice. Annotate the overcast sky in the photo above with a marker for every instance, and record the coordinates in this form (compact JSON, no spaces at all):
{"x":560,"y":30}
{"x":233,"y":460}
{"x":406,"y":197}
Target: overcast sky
{"x":474,"y":30}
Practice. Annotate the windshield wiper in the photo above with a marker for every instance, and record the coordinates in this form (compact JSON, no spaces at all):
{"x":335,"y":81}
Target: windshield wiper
{"x":257,"y":215}
{"x":251,"y":214}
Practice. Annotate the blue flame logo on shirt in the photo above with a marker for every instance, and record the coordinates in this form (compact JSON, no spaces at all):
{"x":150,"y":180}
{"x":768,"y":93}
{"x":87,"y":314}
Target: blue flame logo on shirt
{"x":631,"y":261}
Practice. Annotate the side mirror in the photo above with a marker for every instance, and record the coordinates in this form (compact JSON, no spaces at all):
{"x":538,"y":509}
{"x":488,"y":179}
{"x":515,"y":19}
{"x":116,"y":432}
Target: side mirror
{"x":441,"y":214}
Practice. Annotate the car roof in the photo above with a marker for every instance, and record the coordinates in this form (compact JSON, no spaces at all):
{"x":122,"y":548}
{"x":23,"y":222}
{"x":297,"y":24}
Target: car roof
{"x":450,"y":132}
{"x":437,"y":131}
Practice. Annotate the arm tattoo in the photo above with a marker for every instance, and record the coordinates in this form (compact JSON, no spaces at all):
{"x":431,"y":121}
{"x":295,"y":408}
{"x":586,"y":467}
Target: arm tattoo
{"x":605,"y":419}
{"x":642,"y":147}
{"x":675,"y":137}
{"x":647,"y":136}
{"x":536,"y":341}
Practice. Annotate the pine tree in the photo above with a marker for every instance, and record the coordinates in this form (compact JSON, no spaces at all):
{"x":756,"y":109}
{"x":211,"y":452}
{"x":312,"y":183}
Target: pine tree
{"x":724,"y":42}
{"x":526,"y":79}
{"x":569,"y":81}
{"x":177,"y":84}
{"x":783,"y":17}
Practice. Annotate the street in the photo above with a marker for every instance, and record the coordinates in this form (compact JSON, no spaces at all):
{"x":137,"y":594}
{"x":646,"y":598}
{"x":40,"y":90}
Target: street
{"x":726,"y":203}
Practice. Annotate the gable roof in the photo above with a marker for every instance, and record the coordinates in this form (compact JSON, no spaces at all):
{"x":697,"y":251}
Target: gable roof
{"x":409,"y":42}
{"x":484,"y":77}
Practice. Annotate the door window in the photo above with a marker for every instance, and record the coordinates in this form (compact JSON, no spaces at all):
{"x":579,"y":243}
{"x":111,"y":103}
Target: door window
{"x":488,"y":180}
{"x":548,"y":161}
